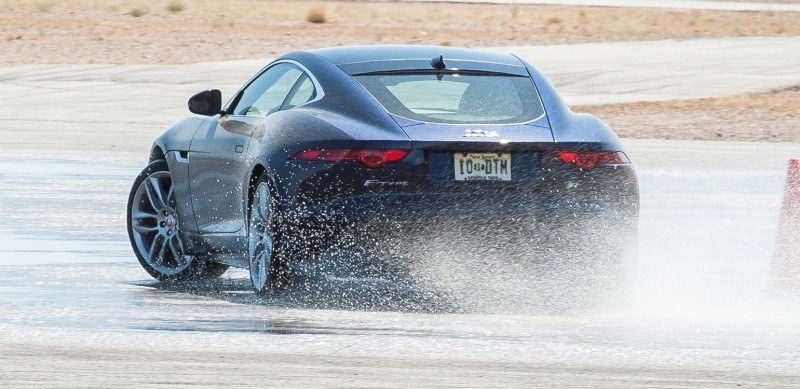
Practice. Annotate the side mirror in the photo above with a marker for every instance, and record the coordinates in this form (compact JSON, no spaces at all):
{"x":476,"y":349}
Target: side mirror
{"x":207,"y":102}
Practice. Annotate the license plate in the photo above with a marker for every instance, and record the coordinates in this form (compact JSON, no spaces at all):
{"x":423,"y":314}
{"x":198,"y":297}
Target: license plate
{"x":482,"y":166}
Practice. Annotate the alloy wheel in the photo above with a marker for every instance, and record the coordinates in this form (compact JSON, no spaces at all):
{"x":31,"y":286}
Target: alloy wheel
{"x":260,"y":237}
{"x":155,"y":226}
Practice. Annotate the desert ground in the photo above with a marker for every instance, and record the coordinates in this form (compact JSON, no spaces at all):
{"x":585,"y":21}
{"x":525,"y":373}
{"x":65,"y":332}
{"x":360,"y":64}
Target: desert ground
{"x":158,"y":32}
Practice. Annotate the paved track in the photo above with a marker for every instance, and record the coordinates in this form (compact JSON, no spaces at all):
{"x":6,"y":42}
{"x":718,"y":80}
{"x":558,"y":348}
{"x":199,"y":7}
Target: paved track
{"x":616,"y":72}
{"x":77,"y":311}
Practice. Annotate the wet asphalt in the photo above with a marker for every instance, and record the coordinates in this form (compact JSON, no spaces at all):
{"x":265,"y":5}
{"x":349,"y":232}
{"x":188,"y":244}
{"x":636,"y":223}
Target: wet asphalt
{"x":702,"y":313}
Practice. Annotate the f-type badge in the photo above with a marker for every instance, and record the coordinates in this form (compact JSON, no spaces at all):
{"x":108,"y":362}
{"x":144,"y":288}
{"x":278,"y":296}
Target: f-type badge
{"x":470,"y":133}
{"x":385,"y":183}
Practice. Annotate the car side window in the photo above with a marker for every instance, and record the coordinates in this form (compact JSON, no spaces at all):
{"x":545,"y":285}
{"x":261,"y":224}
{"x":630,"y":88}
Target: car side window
{"x":267,"y":93}
{"x":303,"y":92}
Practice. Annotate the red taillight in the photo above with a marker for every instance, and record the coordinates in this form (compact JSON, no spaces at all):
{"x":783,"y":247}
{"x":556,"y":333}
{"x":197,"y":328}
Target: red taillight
{"x":331,"y":155}
{"x":588,"y":159}
{"x":371,"y":158}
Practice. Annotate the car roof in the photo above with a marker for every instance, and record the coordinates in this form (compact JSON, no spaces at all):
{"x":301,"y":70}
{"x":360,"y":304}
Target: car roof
{"x":377,"y":58}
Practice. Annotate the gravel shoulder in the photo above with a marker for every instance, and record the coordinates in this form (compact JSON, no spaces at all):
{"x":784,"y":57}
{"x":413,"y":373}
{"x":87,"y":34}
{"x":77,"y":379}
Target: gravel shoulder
{"x":36,"y":32}
{"x":759,"y":117}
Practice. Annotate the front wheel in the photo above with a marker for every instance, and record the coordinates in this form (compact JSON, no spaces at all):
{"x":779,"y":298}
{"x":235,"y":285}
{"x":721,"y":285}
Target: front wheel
{"x":155,"y":232}
{"x":262,"y":237}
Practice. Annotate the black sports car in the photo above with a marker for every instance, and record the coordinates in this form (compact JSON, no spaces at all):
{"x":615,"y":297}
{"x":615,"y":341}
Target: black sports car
{"x":322,"y":139}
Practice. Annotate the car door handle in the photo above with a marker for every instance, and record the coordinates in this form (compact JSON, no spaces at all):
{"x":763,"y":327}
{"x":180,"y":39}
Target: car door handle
{"x":239,"y":148}
{"x":182,"y":156}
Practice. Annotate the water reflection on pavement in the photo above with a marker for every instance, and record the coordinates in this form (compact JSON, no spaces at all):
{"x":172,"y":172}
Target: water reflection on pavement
{"x":69,"y":279}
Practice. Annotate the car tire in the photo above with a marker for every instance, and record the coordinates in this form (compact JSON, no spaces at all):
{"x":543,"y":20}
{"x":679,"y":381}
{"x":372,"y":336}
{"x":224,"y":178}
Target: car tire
{"x":155,"y":233}
{"x":263,"y":238}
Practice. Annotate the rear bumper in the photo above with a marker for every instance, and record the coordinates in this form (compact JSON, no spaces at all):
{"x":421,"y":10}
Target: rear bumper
{"x":560,"y":197}
{"x":400,"y":227}
{"x":480,"y":207}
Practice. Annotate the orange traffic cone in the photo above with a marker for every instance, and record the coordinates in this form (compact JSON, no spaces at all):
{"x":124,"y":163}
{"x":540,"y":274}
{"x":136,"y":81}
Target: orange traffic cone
{"x":786,"y":263}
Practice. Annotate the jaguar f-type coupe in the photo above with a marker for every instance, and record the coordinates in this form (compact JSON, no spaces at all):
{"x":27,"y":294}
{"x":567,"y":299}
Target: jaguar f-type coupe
{"x":322,"y":139}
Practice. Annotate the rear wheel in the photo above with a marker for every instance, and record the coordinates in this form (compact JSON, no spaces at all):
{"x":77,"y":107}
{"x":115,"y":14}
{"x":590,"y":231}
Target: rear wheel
{"x":262,"y":238}
{"x":155,"y":232}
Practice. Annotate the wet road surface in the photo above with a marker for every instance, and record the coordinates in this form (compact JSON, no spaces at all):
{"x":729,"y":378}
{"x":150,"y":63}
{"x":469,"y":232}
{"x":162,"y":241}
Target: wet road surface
{"x":77,"y":310}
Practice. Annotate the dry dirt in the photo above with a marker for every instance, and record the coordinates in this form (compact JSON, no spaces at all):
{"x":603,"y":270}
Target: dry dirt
{"x":761,"y":1}
{"x":761,"y":117}
{"x":159,"y":31}
{"x":38,"y":31}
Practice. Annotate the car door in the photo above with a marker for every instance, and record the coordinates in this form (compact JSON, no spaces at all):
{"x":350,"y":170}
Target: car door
{"x":217,"y":165}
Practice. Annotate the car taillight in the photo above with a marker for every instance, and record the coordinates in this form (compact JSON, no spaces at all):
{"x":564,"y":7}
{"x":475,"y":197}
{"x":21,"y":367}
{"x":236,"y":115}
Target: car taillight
{"x":371,"y":158}
{"x":588,"y":159}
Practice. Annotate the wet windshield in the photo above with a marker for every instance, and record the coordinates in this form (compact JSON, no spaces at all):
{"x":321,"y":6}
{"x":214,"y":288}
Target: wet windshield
{"x":456,"y":98}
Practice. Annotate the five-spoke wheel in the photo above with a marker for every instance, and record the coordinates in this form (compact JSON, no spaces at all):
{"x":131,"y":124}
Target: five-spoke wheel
{"x":261,"y":237}
{"x":154,"y":229}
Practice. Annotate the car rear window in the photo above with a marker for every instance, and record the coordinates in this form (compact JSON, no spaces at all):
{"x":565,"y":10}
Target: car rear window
{"x":468,"y":98}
